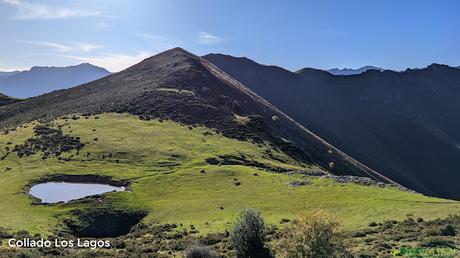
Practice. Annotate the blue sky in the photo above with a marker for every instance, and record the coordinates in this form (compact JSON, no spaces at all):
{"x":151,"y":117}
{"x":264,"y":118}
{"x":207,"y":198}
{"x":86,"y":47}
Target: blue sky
{"x":394,"y":34}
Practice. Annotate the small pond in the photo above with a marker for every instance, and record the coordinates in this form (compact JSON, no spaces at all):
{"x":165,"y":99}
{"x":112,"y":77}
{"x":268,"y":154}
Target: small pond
{"x":53,"y":192}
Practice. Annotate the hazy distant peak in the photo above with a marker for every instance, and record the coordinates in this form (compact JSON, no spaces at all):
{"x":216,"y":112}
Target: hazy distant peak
{"x":350,"y":71}
{"x":7,"y":74}
{"x":82,"y":65}
{"x":44,"y":79}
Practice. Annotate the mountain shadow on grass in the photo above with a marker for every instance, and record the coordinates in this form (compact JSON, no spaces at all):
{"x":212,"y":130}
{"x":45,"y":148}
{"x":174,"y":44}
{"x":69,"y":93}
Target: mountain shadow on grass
{"x":103,"y":222}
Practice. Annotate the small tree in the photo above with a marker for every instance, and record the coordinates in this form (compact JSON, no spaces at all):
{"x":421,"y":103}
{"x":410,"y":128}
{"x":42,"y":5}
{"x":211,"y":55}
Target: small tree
{"x":313,"y":234}
{"x":248,"y":235}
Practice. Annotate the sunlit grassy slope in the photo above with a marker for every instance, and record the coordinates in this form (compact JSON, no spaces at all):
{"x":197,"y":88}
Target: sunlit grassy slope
{"x":165,"y":160}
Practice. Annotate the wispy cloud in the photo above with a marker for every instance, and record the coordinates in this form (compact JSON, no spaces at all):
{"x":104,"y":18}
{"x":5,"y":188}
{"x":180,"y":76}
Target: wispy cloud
{"x":113,"y":62}
{"x":206,"y":38}
{"x":32,"y":11}
{"x":159,"y":43}
{"x":71,"y":47}
{"x":13,"y":68}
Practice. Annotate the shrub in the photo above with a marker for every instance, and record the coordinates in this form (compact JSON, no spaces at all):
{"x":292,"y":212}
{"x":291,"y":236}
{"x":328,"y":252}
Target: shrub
{"x":200,"y":252}
{"x":437,"y":242}
{"x":313,"y":234}
{"x":248,"y":235}
{"x":358,"y":233}
{"x":448,"y":231}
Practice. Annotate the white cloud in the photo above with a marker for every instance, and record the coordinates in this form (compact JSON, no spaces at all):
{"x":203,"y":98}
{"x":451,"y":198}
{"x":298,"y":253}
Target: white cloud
{"x":71,"y":47}
{"x":13,"y":68}
{"x":112,"y":61}
{"x":32,"y":11}
{"x":208,"y":39}
{"x":159,"y":43}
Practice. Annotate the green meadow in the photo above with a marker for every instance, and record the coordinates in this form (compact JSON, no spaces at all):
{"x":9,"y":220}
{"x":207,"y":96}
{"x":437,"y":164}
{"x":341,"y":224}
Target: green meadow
{"x":170,"y":178}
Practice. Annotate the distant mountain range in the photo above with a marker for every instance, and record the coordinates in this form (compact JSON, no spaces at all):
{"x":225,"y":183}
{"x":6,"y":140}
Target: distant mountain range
{"x":349,"y":71}
{"x":40,"y":80}
{"x":405,"y":125}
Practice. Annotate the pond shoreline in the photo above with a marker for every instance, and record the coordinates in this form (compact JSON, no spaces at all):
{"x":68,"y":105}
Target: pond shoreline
{"x":78,"y":179}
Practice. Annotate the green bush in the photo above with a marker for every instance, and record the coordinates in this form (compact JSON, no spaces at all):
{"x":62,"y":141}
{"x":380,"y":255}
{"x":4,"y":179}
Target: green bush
{"x":248,"y":235}
{"x":314,"y":235}
{"x":448,"y":231}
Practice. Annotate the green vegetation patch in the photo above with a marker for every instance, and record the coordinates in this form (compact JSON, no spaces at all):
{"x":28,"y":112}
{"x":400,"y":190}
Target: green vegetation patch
{"x":167,"y":165}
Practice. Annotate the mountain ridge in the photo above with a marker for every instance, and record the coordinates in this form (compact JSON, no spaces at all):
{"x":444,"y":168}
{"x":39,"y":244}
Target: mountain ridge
{"x":356,"y":113}
{"x":5,"y":100}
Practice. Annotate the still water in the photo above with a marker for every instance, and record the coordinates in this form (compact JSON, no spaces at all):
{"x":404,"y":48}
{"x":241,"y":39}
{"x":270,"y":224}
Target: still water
{"x":53,"y":192}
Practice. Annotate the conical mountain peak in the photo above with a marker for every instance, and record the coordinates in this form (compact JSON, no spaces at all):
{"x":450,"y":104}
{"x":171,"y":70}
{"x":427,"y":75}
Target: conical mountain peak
{"x":182,"y":87}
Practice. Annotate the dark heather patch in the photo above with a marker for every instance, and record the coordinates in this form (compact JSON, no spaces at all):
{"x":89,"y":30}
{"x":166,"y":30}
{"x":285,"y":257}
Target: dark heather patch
{"x":102,"y":222}
{"x":49,"y":141}
{"x":244,"y":161}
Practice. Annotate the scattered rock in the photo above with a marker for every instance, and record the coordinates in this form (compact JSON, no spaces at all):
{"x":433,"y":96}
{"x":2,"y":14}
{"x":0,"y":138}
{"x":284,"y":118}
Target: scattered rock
{"x":298,"y":183}
{"x":284,"y":220}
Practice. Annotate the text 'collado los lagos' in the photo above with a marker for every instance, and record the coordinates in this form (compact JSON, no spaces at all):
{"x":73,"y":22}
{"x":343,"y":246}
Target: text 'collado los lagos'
{"x":62,"y":243}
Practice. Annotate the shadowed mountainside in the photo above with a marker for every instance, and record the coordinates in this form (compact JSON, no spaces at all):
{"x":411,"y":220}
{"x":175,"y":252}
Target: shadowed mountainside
{"x":180,"y":86}
{"x":5,"y":100}
{"x":403,"y":124}
{"x":39,"y":80}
